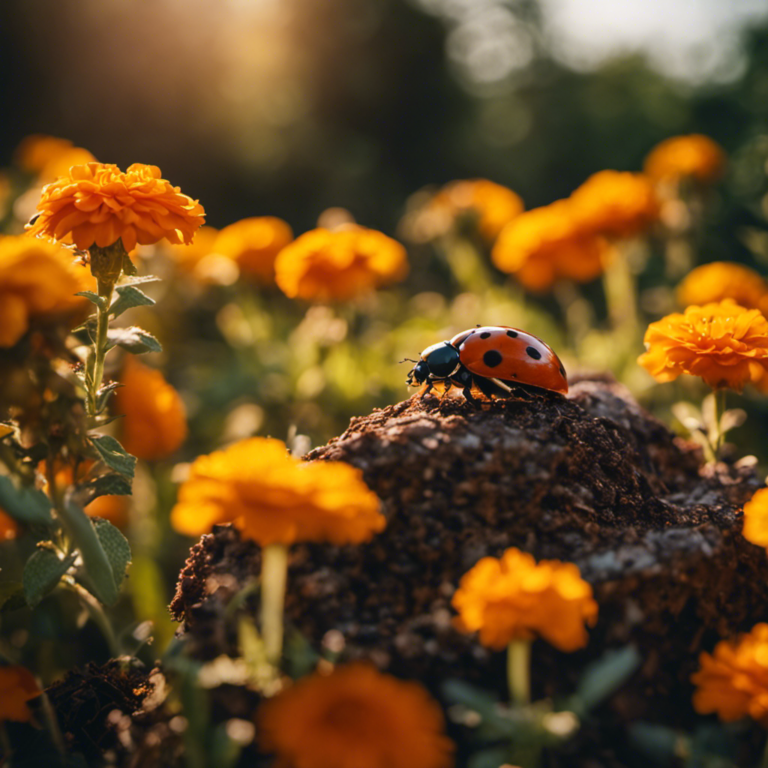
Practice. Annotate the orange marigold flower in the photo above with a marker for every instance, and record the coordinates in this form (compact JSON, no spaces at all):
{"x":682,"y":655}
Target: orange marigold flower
{"x":545,"y":244}
{"x":355,"y":717}
{"x":733,"y":681}
{"x":155,"y":422}
{"x":17,"y":687}
{"x":111,"y":508}
{"x":37,"y":151}
{"x":9,"y":528}
{"x":722,"y":280}
{"x":756,"y":518}
{"x":724,"y":344}
{"x":38,"y":282}
{"x":325,"y":265}
{"x":274,"y":498}
{"x":495,"y":206}
{"x":98,"y":204}
{"x":516,"y":598}
{"x":694,"y":156}
{"x":615,"y":204}
{"x":254,"y":244}
{"x":189,"y":255}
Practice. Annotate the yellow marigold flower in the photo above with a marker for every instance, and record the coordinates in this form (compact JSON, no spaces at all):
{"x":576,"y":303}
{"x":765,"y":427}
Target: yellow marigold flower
{"x":545,"y":244}
{"x":38,"y":281}
{"x":694,"y":156}
{"x":155,"y":422}
{"x":17,"y":687}
{"x":355,"y":717}
{"x":724,"y":344}
{"x":722,"y":280}
{"x":733,"y":681}
{"x":756,"y":518}
{"x":254,"y":244}
{"x":98,"y":204}
{"x":325,"y":265}
{"x":9,"y":528}
{"x":274,"y":498}
{"x":494,"y":205}
{"x":516,"y":598}
{"x":615,"y":204}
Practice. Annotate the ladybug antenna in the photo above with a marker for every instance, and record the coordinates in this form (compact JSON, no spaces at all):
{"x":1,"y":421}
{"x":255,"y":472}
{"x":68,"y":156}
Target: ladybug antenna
{"x":408,"y":360}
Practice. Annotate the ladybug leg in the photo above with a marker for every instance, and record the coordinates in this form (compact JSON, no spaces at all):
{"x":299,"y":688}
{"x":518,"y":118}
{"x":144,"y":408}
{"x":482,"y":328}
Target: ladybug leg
{"x":427,"y":389}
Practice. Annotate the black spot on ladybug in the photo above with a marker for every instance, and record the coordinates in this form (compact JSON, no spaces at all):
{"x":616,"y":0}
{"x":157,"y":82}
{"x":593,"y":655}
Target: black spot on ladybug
{"x":485,"y":335}
{"x":533,"y":352}
{"x":512,"y":334}
{"x":492,"y":358}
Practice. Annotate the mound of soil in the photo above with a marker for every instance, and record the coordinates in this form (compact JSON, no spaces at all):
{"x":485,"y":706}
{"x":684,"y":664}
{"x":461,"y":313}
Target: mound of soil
{"x":591,"y":478}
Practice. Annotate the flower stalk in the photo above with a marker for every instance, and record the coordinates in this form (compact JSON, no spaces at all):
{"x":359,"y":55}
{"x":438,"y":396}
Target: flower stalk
{"x":519,"y":672}
{"x":106,"y":267}
{"x":274,"y":574}
{"x":717,"y":426}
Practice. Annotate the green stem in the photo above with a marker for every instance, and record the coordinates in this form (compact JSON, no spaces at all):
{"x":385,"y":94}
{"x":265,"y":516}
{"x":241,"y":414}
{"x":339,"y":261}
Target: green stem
{"x":5,"y":743}
{"x":99,"y":352}
{"x":620,"y":292}
{"x":764,"y":760}
{"x":99,"y":618}
{"x":274,"y":574}
{"x":519,"y":672}
{"x":719,"y":411}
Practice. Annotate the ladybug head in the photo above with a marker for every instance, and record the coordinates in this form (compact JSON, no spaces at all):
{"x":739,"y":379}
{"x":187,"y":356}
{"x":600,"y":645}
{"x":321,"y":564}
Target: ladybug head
{"x":440,"y":361}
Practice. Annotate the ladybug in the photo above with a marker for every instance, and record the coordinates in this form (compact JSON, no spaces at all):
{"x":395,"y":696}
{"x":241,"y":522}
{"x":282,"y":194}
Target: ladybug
{"x":497,"y":360}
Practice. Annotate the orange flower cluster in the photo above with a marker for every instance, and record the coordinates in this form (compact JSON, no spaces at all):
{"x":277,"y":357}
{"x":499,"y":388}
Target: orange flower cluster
{"x":756,"y":518}
{"x":723,"y":280}
{"x":17,"y":687}
{"x":493,"y":205}
{"x":694,"y":156}
{"x":98,"y":204}
{"x":274,"y":498}
{"x":545,"y":244}
{"x":733,"y":681}
{"x":155,"y":423}
{"x":354,"y":717}
{"x":38,"y":281}
{"x":724,"y":344}
{"x":615,"y":204}
{"x":50,"y":157}
{"x":9,"y":528}
{"x":339,"y":264}
{"x":516,"y":598}
{"x":253,"y":244}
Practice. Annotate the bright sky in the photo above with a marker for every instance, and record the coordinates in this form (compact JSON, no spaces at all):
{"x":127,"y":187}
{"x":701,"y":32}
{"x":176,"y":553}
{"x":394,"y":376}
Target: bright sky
{"x":697,"y":40}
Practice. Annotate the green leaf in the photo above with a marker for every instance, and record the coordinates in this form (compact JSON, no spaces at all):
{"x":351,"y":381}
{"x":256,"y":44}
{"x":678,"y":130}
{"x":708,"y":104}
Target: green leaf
{"x":27,"y":505}
{"x":114,"y":455}
{"x":104,"y":392}
{"x":12,"y":596}
{"x":133,"y":339}
{"x":129,"y":297}
{"x":43,"y":572}
{"x":138,"y":280}
{"x":98,"y":571}
{"x":129,"y":268}
{"x":94,"y":298}
{"x":603,"y":677}
{"x":108,"y":484}
{"x":116,"y":547}
{"x":489,"y":758}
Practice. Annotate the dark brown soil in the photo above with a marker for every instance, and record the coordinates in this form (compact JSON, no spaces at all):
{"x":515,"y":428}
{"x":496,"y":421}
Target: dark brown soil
{"x":591,"y":479}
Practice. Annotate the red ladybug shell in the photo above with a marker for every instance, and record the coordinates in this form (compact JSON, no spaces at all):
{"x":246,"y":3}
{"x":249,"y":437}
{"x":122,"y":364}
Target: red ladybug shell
{"x":512,"y":355}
